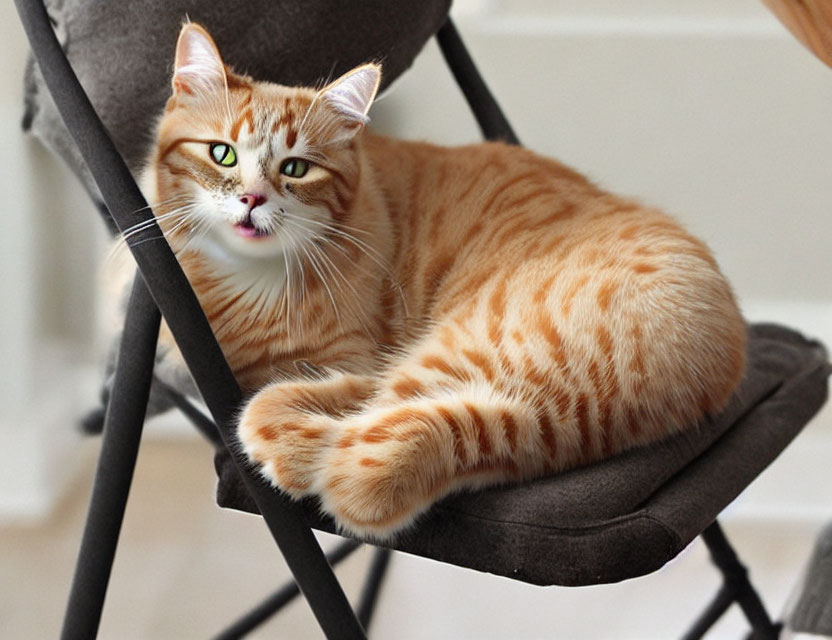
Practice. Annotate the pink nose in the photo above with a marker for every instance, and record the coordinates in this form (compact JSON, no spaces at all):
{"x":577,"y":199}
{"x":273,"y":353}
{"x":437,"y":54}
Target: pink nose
{"x":252,"y":200}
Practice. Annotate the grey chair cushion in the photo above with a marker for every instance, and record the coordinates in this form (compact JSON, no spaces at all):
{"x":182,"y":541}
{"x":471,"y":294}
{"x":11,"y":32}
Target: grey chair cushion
{"x":124,"y":60}
{"x":629,"y":515}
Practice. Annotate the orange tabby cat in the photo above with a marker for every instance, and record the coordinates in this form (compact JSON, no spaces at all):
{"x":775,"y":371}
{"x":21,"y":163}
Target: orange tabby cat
{"x":418,"y":319}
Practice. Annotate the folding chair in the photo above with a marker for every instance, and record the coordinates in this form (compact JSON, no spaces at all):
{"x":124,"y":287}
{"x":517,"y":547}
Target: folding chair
{"x":618,"y":519}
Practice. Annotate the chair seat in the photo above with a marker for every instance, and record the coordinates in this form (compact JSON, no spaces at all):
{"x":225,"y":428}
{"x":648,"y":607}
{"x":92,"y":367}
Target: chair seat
{"x":626,"y":516}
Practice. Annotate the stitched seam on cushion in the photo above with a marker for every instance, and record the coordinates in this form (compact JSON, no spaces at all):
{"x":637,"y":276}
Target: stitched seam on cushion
{"x":588,"y":529}
{"x":667,"y":540}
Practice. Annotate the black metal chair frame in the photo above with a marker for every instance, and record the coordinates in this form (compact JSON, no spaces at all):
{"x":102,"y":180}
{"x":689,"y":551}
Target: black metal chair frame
{"x":162,"y":289}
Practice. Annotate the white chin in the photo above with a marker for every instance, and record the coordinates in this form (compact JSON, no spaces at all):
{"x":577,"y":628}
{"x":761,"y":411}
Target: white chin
{"x":249,"y":247}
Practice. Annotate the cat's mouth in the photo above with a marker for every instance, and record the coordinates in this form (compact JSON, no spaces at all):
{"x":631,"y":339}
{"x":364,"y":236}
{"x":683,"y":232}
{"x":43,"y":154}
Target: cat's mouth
{"x":247,"y":229}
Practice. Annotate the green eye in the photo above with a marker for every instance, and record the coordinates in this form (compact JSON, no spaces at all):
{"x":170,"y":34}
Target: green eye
{"x":294,"y":167}
{"x":223,"y":154}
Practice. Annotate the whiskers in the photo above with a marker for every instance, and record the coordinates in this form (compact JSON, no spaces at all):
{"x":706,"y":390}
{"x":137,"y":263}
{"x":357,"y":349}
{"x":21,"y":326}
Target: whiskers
{"x":343,"y":232}
{"x":169,"y":221}
{"x":322,"y":253}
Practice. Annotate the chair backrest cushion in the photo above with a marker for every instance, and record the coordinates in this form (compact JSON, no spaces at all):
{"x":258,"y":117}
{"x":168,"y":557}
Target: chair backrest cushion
{"x":123,"y":53}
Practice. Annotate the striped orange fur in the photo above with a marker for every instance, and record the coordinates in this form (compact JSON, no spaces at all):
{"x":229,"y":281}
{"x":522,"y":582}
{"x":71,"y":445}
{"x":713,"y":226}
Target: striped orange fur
{"x":418,"y":319}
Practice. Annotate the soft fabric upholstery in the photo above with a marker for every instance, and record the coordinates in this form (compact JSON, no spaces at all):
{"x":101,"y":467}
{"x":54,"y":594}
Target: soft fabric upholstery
{"x":123,"y":53}
{"x":629,"y":515}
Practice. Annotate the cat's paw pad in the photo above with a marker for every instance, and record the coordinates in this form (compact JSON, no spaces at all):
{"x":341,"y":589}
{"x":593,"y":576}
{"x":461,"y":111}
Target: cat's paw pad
{"x":285,"y":446}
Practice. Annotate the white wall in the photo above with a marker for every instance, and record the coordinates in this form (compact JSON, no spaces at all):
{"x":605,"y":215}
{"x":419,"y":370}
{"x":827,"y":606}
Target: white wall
{"x":47,"y":266}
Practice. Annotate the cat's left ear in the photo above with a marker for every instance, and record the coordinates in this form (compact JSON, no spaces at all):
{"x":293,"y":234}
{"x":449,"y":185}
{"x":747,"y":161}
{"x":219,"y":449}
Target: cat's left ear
{"x":352,"y":94}
{"x":198,"y":67}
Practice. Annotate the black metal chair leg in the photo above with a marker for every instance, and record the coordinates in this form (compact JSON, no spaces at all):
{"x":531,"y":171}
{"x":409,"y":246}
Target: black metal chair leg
{"x":736,"y":588}
{"x":198,"y":419}
{"x":289,"y":591}
{"x":493,"y":123}
{"x":736,"y":577}
{"x":116,"y":462}
{"x":280,"y":598}
{"x":372,"y":586}
{"x":709,"y":617}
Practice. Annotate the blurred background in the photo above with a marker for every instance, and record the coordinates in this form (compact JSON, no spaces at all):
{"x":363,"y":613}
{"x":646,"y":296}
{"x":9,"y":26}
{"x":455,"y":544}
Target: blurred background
{"x":709,"y":109}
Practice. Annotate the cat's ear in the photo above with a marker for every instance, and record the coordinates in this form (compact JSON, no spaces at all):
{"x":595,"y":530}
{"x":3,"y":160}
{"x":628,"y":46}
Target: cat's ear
{"x":352,"y":94}
{"x":198,"y":67}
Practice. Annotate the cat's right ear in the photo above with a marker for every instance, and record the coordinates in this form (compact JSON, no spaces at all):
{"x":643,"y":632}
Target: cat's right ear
{"x":198,"y":67}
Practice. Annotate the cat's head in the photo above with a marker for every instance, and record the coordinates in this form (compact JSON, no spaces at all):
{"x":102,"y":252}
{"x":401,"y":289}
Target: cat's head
{"x":250,"y":169}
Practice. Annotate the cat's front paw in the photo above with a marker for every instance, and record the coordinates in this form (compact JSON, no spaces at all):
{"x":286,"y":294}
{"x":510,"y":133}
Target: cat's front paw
{"x":285,"y":444}
{"x":387,"y":467}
